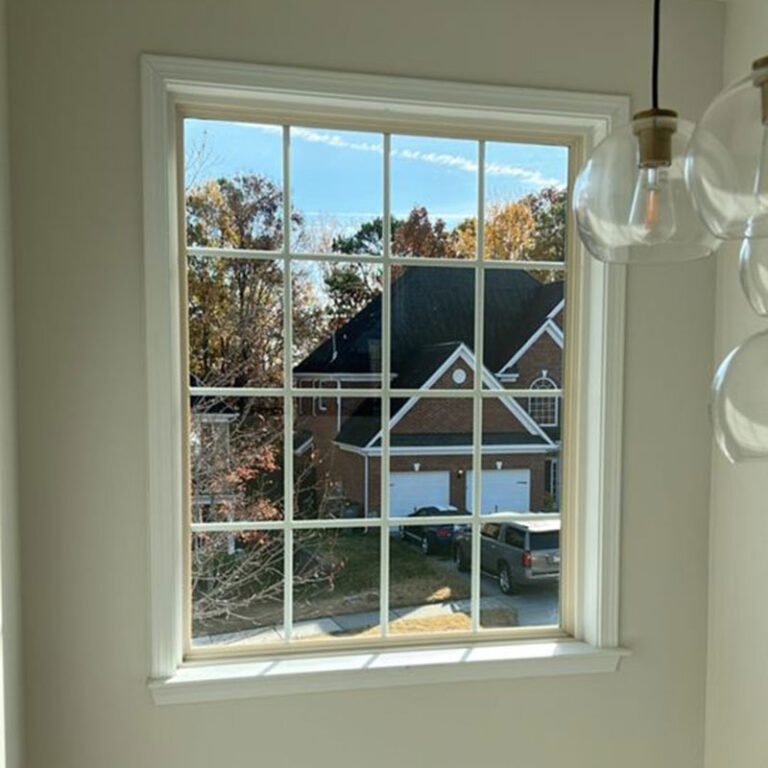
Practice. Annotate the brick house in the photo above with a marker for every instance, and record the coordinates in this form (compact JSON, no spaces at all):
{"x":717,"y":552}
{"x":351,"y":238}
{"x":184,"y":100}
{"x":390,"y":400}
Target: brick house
{"x":432,"y":344}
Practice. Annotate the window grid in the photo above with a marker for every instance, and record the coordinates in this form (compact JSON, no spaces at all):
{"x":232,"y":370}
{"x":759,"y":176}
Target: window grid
{"x":288,"y":392}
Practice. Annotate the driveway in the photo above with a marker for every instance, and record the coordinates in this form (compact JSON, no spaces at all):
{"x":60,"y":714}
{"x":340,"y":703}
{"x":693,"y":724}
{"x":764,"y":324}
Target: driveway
{"x":535,"y":606}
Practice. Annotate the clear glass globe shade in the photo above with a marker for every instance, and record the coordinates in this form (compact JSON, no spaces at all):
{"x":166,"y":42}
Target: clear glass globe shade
{"x":631,"y":215}
{"x":727,"y":164}
{"x":740,"y":401}
{"x":753,"y":270}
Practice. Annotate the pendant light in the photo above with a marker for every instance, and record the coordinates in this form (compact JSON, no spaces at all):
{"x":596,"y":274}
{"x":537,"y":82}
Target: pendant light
{"x":739,"y":403}
{"x":753,"y":271}
{"x":727,"y":162}
{"x":630,"y":199}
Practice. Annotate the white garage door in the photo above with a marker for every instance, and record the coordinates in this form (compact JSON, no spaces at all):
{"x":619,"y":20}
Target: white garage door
{"x":410,"y":490}
{"x":504,"y":490}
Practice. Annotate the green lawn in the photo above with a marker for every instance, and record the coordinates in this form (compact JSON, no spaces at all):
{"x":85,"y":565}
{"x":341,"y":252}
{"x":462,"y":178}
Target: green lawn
{"x":349,"y":564}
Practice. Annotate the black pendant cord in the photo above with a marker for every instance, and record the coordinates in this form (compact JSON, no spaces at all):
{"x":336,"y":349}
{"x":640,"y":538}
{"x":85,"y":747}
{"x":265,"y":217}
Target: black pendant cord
{"x":655,"y":66}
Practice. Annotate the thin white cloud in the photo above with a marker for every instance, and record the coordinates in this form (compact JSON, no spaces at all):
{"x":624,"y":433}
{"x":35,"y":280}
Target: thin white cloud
{"x":536,"y":178}
{"x":458,"y":162}
{"x":323,"y":137}
{"x":334,"y":140}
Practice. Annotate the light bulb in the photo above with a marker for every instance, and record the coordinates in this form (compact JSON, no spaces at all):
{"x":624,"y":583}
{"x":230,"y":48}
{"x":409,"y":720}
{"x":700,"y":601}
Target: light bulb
{"x":652,"y":215}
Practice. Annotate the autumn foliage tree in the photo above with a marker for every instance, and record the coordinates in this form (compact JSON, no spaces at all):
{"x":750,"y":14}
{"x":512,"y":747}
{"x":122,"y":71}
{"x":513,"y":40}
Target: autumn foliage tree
{"x":235,"y":321}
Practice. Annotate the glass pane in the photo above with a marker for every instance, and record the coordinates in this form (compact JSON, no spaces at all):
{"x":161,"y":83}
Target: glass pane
{"x":426,"y":594}
{"x":235,"y":309}
{"x":520,"y":582}
{"x":237,"y":588}
{"x":521,"y":461}
{"x":525,"y":202}
{"x":431,"y":454}
{"x":336,"y":583}
{"x":524,"y":331}
{"x":434,"y":197}
{"x":337,"y":323}
{"x":336,"y":190}
{"x":233,"y":184}
{"x":332,"y":475}
{"x":236,"y":459}
{"x":433,"y":327}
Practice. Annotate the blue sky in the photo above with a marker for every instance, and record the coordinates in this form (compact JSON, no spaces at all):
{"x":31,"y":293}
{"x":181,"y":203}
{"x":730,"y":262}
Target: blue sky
{"x":337,"y":175}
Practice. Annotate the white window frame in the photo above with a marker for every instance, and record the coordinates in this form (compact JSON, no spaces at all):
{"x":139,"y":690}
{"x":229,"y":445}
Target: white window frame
{"x":590,"y":643}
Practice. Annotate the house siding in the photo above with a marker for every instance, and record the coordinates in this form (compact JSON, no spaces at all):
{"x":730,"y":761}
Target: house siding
{"x":446,"y":416}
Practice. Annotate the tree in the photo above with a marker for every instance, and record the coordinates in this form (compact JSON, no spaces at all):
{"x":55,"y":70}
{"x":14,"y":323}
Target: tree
{"x":549,"y":211}
{"x":235,"y":308}
{"x":244,"y":212}
{"x":369,"y":238}
{"x":236,"y":305}
{"x":510,"y":231}
{"x":349,"y":288}
{"x":418,"y":236}
{"x":530,"y":229}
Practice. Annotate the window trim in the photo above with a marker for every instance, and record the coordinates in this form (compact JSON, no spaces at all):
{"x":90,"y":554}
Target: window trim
{"x":171,"y":85}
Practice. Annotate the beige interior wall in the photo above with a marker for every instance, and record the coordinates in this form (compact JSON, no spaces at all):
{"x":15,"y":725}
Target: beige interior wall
{"x":737,"y":689}
{"x":82,"y":407}
{"x":10,"y":618}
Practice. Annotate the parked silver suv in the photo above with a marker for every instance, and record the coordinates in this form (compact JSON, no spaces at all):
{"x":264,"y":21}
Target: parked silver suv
{"x":519,"y":553}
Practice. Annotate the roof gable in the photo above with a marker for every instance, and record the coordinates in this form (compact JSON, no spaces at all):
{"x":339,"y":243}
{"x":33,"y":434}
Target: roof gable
{"x":361,"y":430}
{"x":431,"y":306}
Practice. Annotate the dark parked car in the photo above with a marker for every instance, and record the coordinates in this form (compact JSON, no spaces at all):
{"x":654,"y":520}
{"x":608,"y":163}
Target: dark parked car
{"x":519,"y":553}
{"x":431,"y":538}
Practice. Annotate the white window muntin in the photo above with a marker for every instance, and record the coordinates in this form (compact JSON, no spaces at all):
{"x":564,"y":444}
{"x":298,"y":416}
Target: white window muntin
{"x":172,"y":87}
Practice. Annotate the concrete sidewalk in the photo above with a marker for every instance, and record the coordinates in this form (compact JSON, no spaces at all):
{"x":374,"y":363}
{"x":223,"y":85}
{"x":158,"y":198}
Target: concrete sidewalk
{"x":359,"y":622}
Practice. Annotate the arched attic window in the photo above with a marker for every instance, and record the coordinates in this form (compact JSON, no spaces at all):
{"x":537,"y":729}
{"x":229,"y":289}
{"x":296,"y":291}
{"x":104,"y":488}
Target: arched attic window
{"x":544,"y":410}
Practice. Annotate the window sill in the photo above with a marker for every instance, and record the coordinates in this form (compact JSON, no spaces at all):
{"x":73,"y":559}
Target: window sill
{"x":272,"y":677}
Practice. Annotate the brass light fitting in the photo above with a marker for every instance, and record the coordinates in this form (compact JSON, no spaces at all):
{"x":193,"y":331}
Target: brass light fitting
{"x":760,"y":79}
{"x":654,"y":129}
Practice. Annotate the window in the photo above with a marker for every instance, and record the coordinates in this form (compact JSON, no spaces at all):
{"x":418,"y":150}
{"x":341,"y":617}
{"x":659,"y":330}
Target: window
{"x":544,"y":410}
{"x":549,"y":540}
{"x":327,"y":249}
{"x":424,"y":245}
{"x":490,"y":530}
{"x":552,"y":484}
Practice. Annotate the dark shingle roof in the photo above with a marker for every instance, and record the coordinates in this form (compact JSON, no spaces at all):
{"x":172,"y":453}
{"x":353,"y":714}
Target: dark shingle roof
{"x":433,"y":306}
{"x":506,"y":331}
{"x":354,"y":348}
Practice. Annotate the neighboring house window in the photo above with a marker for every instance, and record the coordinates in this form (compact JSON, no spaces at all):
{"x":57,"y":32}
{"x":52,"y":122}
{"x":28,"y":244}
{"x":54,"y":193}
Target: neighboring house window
{"x":335,"y":259}
{"x":552,"y":483}
{"x":320,"y":405}
{"x":544,"y":409}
